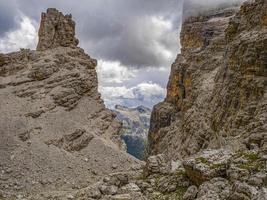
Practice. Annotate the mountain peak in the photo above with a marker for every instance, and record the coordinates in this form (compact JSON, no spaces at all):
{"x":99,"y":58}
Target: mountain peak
{"x":56,"y":30}
{"x":140,"y":109}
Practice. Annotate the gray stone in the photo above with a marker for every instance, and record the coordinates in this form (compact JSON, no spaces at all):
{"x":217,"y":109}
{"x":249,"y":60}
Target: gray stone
{"x":217,"y":188}
{"x":207,"y":165}
{"x":191,"y":193}
{"x":157,"y":165}
{"x":108,"y":190}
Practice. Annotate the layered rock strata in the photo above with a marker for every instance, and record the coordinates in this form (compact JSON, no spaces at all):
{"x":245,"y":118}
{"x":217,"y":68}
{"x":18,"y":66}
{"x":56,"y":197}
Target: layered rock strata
{"x":210,"y":131}
{"x":217,"y":88}
{"x":56,"y":133}
{"x":214,"y":116}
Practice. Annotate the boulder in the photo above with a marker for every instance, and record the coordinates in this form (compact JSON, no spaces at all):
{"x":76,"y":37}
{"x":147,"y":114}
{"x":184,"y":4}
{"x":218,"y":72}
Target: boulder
{"x":191,"y":193}
{"x":207,"y":165}
{"x":157,"y":165}
{"x":215,"y":189}
{"x":108,"y":190}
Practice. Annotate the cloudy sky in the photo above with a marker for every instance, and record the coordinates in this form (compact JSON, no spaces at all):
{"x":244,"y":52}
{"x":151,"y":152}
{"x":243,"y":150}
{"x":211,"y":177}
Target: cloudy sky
{"x":134,"y":41}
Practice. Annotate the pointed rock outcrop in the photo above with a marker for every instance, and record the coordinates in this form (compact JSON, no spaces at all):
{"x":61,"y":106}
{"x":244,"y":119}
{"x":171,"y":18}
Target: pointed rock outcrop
{"x":56,"y":30}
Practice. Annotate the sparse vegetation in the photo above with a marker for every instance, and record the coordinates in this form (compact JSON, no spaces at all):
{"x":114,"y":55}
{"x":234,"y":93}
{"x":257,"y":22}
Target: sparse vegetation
{"x":217,"y":166}
{"x":203,"y":160}
{"x":180,"y":192}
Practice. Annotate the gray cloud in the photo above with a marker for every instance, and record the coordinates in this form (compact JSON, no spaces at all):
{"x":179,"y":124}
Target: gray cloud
{"x":194,"y":7}
{"x":146,"y":94}
{"x":115,"y":30}
{"x":8,"y":13}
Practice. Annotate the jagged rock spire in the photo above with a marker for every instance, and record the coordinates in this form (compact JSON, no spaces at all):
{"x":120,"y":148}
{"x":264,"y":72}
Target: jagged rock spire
{"x":56,"y":30}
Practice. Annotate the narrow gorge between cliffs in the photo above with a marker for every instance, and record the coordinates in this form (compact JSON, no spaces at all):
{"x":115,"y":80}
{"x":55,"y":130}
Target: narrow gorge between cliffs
{"x":75,"y":127}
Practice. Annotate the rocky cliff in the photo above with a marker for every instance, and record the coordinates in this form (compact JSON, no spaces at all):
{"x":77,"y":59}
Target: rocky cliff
{"x":213,"y":120}
{"x":56,"y":30}
{"x":190,"y":87}
{"x":56,"y":134}
{"x":57,"y":137}
{"x":216,"y":94}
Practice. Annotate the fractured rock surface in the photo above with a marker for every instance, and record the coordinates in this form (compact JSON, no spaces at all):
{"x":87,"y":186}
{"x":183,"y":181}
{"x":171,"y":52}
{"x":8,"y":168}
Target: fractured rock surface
{"x":207,"y":139}
{"x":214,"y":116}
{"x":216,"y":94}
{"x":56,"y":133}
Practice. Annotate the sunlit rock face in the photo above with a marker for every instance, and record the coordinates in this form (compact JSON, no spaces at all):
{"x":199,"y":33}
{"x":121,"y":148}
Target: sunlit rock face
{"x":216,"y":94}
{"x":56,"y":133}
{"x":190,"y":86}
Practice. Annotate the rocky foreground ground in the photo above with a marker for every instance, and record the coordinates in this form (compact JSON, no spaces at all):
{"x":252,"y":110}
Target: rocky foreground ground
{"x":208,"y":139}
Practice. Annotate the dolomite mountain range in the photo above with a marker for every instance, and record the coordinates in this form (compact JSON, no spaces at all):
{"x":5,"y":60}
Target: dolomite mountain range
{"x":207,"y":140}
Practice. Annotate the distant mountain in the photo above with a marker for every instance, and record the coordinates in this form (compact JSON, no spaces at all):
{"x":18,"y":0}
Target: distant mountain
{"x":136,"y":122}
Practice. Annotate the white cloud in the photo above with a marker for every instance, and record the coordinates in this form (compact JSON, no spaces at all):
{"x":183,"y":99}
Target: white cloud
{"x":113,"y":72}
{"x":146,"y":94}
{"x":148,"y":90}
{"x":163,"y":31}
{"x":24,"y":37}
{"x":147,"y":41}
{"x":109,"y":93}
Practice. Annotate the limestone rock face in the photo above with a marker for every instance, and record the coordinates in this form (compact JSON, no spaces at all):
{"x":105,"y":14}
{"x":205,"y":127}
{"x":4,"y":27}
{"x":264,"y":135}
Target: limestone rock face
{"x":217,"y":88}
{"x":214,"y":116}
{"x":56,"y":30}
{"x":157,"y":165}
{"x":56,"y":133}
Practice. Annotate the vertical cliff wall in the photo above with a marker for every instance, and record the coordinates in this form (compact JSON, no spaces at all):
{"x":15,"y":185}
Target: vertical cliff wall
{"x":216,"y":95}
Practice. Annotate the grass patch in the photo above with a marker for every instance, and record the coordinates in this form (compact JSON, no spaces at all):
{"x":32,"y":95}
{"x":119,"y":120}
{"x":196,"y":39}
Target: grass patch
{"x":180,"y":173}
{"x":251,"y":156}
{"x":203,"y":160}
{"x":181,"y":191}
{"x":253,"y":163}
{"x":256,"y":166}
{"x":217,"y":166}
{"x":210,"y":164}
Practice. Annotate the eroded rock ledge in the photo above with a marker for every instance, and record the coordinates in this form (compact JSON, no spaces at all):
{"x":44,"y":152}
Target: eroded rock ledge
{"x":216,"y":94}
{"x":209,"y":134}
{"x":56,"y":134}
{"x":214,"y":116}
